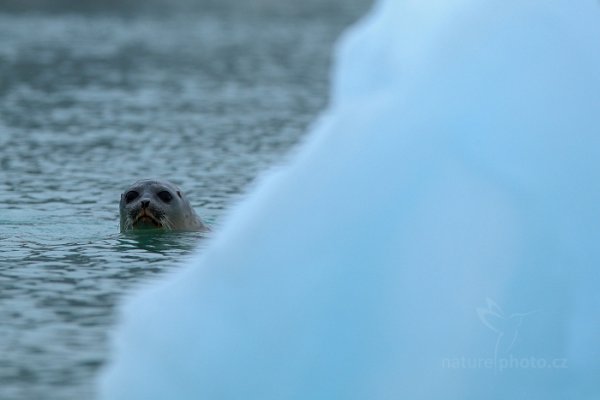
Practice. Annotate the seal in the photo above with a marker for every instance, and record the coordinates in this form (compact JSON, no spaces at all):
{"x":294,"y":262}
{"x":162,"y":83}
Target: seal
{"x":154,"y":204}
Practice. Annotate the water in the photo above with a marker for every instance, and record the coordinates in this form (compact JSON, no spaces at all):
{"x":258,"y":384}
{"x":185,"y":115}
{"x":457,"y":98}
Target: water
{"x":90,"y":102}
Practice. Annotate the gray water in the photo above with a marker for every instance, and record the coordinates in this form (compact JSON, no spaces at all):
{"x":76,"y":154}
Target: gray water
{"x":93,"y":100}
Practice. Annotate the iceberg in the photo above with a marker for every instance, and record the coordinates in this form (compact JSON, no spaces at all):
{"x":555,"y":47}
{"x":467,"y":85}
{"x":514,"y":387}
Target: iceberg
{"x":436,"y":236}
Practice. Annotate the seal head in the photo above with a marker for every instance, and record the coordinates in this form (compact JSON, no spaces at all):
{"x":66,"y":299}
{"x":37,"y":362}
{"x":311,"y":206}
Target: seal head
{"x":154,"y":204}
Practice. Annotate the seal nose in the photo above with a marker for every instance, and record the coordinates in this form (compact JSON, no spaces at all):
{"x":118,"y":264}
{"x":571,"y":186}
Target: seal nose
{"x":145,"y":203}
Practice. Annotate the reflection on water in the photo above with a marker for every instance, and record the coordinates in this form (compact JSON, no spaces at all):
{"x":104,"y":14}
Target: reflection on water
{"x":160,"y":242}
{"x":89,"y":104}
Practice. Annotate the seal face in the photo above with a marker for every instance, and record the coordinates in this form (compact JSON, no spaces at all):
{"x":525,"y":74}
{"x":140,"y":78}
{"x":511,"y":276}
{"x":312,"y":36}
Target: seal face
{"x":153,"y":204}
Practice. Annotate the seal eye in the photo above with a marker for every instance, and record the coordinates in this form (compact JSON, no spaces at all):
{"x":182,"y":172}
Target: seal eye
{"x":131,"y":196}
{"x":165,"y":196}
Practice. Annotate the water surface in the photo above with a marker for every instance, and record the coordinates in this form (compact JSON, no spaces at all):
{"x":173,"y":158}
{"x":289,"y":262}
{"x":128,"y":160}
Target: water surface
{"x":92,"y":101}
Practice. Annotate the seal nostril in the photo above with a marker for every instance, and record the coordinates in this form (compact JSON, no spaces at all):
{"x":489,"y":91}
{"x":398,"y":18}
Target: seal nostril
{"x":145,"y":203}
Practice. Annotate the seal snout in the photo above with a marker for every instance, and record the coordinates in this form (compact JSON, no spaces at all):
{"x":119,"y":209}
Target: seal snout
{"x":145,"y":204}
{"x":146,"y":217}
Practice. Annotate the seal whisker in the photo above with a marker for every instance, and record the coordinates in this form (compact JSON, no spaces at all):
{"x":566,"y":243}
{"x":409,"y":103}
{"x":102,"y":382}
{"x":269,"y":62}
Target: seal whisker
{"x":166,"y":222}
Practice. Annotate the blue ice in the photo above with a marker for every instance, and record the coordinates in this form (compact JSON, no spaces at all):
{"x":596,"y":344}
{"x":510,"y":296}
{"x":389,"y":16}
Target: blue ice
{"x":436,"y":237}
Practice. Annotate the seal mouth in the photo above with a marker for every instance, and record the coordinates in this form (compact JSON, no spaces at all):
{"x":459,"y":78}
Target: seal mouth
{"x":146,"y":220}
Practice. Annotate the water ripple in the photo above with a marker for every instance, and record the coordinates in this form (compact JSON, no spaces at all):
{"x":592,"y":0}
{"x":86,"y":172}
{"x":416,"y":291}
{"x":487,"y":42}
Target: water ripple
{"x":90,"y":104}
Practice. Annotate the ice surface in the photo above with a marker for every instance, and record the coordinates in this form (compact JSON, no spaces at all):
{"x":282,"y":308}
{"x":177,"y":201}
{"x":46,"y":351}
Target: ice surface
{"x":437,"y":236}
